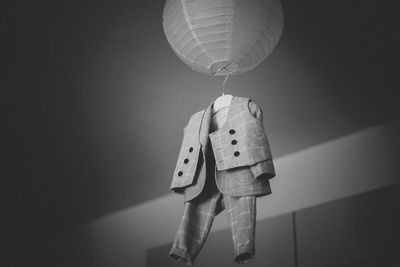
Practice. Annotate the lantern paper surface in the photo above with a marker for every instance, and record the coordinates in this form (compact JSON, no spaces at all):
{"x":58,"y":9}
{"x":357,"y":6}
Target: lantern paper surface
{"x":221,"y":37}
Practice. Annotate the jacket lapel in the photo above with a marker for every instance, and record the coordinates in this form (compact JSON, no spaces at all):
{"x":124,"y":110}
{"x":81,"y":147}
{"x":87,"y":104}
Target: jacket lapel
{"x":205,"y":125}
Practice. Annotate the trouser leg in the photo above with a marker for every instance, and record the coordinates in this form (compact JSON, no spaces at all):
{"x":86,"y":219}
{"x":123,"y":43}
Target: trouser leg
{"x":241,"y":212}
{"x":194,"y":227}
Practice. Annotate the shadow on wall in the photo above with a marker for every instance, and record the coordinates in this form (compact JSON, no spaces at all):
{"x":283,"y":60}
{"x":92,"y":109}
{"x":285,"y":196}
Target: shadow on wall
{"x":356,"y":230}
{"x":362,"y":230}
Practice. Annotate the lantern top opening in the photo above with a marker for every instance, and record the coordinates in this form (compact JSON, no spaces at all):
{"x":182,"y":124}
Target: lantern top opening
{"x":224,"y":67}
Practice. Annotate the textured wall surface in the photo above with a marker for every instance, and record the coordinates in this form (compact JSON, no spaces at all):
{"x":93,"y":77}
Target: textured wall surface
{"x":357,"y":231}
{"x":349,"y":166}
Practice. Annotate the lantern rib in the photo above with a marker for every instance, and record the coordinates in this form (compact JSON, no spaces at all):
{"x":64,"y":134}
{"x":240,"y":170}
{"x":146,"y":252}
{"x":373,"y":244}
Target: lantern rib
{"x":213,"y":7}
{"x":202,"y":27}
{"x":214,"y":16}
{"x":242,"y":26}
{"x":207,"y":43}
{"x":190,"y":27}
{"x":215,"y":33}
{"x":188,"y":34}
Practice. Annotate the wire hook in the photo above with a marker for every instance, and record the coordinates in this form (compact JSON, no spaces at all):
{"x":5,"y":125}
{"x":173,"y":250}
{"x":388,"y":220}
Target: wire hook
{"x":223,"y":84}
{"x":226,"y":78}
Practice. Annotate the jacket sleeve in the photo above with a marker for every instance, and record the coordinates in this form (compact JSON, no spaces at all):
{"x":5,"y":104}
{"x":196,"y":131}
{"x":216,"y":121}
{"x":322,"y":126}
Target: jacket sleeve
{"x":264,"y":168}
{"x":255,"y":111}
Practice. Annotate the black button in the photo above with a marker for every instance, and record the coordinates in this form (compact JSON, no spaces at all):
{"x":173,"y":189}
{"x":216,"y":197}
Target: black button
{"x":190,"y":149}
{"x":231,"y":131}
{"x":180,"y":173}
{"x":237,"y":153}
{"x":234,"y":142}
{"x":186,"y":161}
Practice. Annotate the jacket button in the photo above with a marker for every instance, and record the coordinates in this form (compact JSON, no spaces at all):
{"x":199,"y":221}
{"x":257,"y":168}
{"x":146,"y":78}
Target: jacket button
{"x":180,"y":173}
{"x":231,"y":131}
{"x":186,"y":161}
{"x":237,"y":153}
{"x":190,"y":149}
{"x":234,"y":142}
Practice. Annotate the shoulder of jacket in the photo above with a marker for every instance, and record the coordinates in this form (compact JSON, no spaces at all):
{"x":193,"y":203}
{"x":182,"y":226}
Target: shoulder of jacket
{"x":242,"y":99}
{"x":251,"y":106}
{"x":196,"y":115}
{"x":246,"y":100}
{"x":194,"y":119}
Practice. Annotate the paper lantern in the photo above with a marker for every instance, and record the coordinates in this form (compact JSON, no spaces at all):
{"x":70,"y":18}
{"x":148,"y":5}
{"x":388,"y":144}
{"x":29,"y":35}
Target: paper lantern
{"x":223,"y":37}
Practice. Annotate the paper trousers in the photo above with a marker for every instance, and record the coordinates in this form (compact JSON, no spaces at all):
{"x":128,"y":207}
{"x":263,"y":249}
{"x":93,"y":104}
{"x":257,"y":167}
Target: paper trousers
{"x":197,"y":219}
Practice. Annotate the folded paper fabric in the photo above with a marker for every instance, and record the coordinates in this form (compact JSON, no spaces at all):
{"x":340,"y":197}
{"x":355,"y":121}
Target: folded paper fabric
{"x":228,"y":167}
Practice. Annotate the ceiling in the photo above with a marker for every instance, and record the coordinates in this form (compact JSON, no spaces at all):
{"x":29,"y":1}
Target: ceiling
{"x":93,"y":100}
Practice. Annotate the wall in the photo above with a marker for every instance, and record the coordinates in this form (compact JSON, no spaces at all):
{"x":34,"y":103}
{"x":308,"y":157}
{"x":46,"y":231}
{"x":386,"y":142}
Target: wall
{"x":356,"y":231}
{"x":348,"y":166}
{"x":92,"y":98}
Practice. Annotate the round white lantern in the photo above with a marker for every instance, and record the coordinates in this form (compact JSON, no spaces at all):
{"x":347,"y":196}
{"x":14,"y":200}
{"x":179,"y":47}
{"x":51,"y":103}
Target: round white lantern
{"x":223,"y":37}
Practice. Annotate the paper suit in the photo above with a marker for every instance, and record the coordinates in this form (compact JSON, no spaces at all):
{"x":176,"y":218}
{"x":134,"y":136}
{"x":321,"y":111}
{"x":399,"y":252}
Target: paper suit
{"x":225,"y":167}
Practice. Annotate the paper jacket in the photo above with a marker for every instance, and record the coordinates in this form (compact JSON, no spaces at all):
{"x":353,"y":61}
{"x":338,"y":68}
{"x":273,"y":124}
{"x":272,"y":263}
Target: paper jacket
{"x":240,"y":151}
